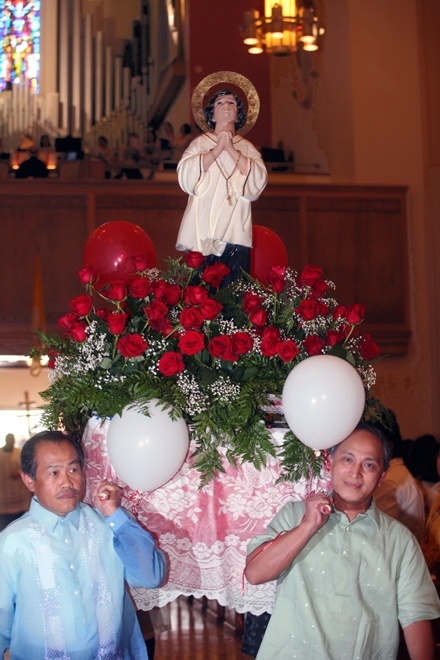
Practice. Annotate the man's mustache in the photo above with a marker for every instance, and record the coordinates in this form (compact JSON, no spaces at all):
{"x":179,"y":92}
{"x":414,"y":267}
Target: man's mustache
{"x":69,"y":491}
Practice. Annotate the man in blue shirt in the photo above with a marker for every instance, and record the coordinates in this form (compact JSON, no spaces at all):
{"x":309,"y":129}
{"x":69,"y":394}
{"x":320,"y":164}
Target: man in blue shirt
{"x":64,"y":564}
{"x":347,"y":573}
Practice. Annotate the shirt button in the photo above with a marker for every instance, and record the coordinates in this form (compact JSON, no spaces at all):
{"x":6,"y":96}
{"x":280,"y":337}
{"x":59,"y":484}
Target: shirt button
{"x":71,"y":567}
{"x":112,"y":524}
{"x":76,"y":592}
{"x":344,"y":552}
{"x":66,"y":540}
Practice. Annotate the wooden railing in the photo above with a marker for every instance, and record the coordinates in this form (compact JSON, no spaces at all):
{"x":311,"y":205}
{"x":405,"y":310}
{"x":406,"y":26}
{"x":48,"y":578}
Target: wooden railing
{"x":356,"y":234}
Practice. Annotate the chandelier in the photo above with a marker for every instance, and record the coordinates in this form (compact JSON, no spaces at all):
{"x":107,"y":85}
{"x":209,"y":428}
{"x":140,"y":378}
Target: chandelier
{"x":286,"y":27}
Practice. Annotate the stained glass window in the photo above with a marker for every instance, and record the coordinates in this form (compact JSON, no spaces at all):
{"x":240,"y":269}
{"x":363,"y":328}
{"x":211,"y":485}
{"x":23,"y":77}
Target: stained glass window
{"x":19,"y":43}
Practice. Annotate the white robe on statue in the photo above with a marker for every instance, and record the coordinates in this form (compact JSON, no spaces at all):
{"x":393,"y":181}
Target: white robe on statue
{"x":210,"y":219}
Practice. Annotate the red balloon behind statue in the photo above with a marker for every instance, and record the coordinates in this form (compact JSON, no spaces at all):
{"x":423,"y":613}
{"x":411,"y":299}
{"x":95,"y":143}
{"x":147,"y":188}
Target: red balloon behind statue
{"x":110,"y":249}
{"x":268,"y":250}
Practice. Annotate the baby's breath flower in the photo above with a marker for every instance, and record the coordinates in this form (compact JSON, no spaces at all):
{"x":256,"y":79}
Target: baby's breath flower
{"x":225,"y":390}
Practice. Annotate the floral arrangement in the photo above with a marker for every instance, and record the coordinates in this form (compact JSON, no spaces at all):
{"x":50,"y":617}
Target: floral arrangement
{"x":216,"y":356}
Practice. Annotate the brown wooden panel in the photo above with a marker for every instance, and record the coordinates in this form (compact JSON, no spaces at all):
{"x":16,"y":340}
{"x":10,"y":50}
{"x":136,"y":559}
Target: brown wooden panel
{"x":356,"y":234}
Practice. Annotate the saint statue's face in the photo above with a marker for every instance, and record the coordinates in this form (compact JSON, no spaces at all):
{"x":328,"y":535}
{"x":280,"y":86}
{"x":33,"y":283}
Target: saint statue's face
{"x":225,"y":110}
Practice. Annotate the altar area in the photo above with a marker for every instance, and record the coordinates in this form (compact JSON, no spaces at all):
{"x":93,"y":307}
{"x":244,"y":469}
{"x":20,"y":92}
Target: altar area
{"x":203,"y":532}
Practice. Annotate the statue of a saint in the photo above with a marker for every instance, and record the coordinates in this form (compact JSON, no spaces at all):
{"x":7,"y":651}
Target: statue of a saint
{"x":222,"y":174}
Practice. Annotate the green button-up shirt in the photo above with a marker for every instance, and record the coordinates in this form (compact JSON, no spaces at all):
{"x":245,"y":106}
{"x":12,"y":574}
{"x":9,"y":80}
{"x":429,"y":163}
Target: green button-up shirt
{"x":346,"y":591}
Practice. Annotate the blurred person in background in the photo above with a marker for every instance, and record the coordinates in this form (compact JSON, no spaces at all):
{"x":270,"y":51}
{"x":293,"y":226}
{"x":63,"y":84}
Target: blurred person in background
{"x":400,"y":495}
{"x":422,"y":463}
{"x":14,"y":496}
{"x":431,"y":539}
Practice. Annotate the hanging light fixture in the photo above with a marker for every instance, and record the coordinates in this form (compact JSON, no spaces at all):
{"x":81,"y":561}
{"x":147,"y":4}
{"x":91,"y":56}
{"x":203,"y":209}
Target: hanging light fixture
{"x":286,"y":27}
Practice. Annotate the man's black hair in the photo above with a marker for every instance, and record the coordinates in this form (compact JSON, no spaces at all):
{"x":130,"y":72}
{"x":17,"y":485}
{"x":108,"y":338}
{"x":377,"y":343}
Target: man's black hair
{"x":209,"y":109}
{"x":380,"y":435}
{"x":29,"y":451}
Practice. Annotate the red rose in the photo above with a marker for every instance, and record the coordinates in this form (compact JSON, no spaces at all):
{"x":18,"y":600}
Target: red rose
{"x":116,"y":291}
{"x":287,"y":350}
{"x":368,"y":348}
{"x":258,"y":317}
{"x":191,"y":318}
{"x":52,"y":355}
{"x":117,"y":322}
{"x":251,"y":301}
{"x":339,"y":312}
{"x":333,"y":337}
{"x":140,"y":263}
{"x":276,"y":277}
{"x":194,"y":295}
{"x":308,"y":310}
{"x":319,"y":288}
{"x":68,"y":320}
{"x":213,"y":275}
{"x":86,"y":276}
{"x":323,"y":308}
{"x":78,"y":331}
{"x":82,"y":305}
{"x":210,"y":308}
{"x":132,"y":345}
{"x":140,"y":288}
{"x":156,"y":310}
{"x":171,"y":363}
{"x":163,"y":326}
{"x":355,"y":314}
{"x":191,"y":342}
{"x":172,"y":294}
{"x":193,"y":259}
{"x":241,"y":343}
{"x":313,"y":345}
{"x":157,"y":288}
{"x":270,"y":341}
{"x":348,"y":331}
{"x":102,"y":313}
{"x":220,"y":347}
{"x":310,"y":275}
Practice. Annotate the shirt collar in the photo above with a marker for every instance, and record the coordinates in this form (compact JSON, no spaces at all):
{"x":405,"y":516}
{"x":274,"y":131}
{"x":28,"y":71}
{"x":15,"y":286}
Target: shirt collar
{"x":371,"y":513}
{"x":50,"y":520}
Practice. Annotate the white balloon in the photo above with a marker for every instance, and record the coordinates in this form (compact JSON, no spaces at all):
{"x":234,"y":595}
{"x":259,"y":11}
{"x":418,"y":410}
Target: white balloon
{"x":146,"y":452}
{"x":323,"y":400}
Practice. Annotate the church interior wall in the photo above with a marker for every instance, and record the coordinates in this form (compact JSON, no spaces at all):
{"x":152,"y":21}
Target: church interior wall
{"x":374,"y":119}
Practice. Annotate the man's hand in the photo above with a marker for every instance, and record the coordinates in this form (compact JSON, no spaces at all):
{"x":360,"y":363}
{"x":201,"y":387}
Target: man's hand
{"x":271,"y":558}
{"x":318,"y":509}
{"x":107,"y":498}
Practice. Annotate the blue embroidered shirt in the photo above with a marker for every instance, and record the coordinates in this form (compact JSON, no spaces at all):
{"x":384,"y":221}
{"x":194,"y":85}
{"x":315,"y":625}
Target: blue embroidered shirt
{"x":62,"y":589}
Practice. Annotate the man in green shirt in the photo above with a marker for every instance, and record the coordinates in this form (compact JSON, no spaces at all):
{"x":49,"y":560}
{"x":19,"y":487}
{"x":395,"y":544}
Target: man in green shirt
{"x":347,"y":573}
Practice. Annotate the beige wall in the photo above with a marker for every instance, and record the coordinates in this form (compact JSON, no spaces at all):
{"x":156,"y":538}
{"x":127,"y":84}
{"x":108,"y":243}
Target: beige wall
{"x":15,"y":382}
{"x":372,"y":117}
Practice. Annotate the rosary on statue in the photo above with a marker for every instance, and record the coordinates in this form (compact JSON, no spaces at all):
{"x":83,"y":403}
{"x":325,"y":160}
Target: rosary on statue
{"x":227,"y":177}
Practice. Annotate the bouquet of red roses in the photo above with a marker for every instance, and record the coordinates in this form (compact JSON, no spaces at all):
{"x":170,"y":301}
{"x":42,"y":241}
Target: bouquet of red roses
{"x":213,"y":355}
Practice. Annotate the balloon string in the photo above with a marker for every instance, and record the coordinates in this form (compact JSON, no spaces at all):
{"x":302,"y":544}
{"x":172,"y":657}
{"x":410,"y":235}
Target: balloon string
{"x":265,"y":547}
{"x":134,"y":498}
{"x":326,"y":465}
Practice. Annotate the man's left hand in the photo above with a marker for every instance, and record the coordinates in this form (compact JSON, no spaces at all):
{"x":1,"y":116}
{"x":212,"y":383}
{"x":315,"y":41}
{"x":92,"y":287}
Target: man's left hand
{"x":107,"y":498}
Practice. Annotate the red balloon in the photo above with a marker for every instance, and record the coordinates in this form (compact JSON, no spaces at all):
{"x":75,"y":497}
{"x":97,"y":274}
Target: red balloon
{"x":110,"y":248}
{"x":268,"y":250}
